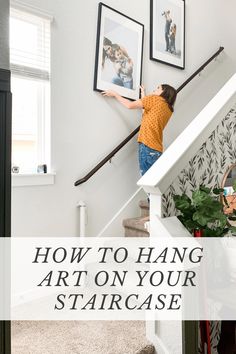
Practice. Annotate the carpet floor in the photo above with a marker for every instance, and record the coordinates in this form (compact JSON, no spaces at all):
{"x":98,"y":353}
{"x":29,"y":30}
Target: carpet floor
{"x":79,"y":337}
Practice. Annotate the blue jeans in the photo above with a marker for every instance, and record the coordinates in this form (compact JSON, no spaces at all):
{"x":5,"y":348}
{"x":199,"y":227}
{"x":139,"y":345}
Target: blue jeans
{"x":118,"y":81}
{"x":147,"y":157}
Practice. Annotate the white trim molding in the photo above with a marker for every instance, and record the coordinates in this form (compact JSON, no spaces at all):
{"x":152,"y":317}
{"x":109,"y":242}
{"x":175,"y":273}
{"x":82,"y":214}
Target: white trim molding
{"x":37,"y":179}
{"x":20,"y":5}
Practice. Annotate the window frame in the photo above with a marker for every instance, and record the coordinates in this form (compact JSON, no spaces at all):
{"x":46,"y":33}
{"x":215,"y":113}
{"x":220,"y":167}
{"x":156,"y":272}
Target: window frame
{"x":43,"y":91}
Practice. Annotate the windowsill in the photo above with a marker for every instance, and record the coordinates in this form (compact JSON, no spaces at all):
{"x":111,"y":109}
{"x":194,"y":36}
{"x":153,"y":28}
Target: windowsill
{"x":34,"y":179}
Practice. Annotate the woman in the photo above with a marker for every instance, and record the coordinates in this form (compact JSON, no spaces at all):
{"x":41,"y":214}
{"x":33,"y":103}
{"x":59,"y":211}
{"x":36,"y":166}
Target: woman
{"x":158,"y":108}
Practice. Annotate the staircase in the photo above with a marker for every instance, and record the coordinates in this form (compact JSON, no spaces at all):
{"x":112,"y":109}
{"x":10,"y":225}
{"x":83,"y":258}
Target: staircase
{"x":136,"y":227}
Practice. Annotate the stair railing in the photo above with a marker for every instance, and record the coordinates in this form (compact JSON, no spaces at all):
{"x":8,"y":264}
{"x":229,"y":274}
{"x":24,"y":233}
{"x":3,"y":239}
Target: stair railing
{"x":131,"y":135}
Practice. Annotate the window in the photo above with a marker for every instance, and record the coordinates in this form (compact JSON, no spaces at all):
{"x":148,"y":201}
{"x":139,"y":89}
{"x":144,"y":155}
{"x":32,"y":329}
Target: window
{"x":30,"y":67}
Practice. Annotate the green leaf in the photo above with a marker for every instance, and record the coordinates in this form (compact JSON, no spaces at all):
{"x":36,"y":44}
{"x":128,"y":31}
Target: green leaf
{"x":182,"y":202}
{"x":222,"y":232}
{"x":233,"y":229}
{"x":222,"y":220}
{"x":200,"y":198}
{"x":210,"y":232}
{"x":205,"y":189}
{"x":207,"y":232}
{"x":200,"y":218}
{"x":217,"y":214}
{"x":188,"y":223}
{"x":218,"y":191}
{"x":213,"y":206}
{"x":234,"y":185}
{"x":215,"y":232}
{"x":204,"y":211}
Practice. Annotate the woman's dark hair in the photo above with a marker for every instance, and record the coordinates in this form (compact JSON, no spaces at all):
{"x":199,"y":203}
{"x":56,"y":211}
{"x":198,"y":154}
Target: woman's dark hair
{"x":169,"y":94}
{"x":115,"y":47}
{"x":107,"y":41}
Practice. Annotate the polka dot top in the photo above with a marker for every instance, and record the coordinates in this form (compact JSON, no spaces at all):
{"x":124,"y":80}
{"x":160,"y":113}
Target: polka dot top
{"x":155,"y":117}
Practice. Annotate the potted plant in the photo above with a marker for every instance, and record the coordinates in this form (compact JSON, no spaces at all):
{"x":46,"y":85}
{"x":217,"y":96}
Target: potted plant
{"x":204,"y":211}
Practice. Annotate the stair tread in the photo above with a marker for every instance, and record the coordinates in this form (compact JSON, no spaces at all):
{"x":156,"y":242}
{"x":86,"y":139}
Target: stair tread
{"x":136,"y":223}
{"x":144,"y":204}
{"x":148,"y":349}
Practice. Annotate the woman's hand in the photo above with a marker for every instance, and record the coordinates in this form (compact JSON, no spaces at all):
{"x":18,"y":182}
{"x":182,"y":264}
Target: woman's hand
{"x":109,"y":93}
{"x":124,"y":101}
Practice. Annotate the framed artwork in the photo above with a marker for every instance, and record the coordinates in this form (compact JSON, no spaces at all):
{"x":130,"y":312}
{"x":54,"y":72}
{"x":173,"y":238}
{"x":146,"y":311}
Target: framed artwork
{"x":167,"y":32}
{"x":119,"y":52}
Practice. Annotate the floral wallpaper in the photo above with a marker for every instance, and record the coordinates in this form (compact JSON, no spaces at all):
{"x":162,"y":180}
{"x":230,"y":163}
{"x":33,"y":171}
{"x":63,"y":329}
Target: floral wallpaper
{"x":207,"y":167}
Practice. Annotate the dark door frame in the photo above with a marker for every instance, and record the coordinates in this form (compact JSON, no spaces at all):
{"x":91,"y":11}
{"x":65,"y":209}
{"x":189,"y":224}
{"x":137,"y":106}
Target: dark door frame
{"x":5,"y":184}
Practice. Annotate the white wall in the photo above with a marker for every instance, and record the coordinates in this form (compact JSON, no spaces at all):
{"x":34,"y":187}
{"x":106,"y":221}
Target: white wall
{"x":85,"y":126}
{"x":4,"y":34}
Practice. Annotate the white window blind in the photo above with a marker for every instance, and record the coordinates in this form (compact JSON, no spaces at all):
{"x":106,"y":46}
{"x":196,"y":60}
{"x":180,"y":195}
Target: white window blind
{"x":30,"y":83}
{"x":29,"y":44}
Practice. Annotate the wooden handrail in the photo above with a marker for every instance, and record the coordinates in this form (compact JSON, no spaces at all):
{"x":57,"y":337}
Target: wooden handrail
{"x":131,"y":135}
{"x":200,"y":69}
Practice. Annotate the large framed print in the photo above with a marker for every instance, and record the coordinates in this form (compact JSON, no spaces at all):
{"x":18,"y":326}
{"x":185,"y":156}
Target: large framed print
{"x":119,"y":52}
{"x":167,"y":32}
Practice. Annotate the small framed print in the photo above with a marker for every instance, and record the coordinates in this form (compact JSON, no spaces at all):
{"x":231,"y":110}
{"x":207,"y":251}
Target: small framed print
{"x":119,"y":53}
{"x":167,"y":32}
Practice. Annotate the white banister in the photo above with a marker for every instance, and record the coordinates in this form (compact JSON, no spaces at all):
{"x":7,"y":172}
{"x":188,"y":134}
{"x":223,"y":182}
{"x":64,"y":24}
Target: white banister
{"x":83,"y":218}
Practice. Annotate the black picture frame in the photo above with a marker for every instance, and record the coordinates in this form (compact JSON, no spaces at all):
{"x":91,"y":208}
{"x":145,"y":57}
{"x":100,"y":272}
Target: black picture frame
{"x":167,"y":32}
{"x":119,"y":53}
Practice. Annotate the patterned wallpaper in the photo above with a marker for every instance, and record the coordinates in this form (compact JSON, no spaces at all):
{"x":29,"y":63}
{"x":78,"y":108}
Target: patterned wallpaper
{"x":207,"y":167}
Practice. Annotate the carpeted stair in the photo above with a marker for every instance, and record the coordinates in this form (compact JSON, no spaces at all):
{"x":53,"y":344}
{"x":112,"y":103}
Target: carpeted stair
{"x":135,"y":227}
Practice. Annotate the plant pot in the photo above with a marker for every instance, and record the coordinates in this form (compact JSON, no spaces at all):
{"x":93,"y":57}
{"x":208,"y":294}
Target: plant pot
{"x":198,"y":232}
